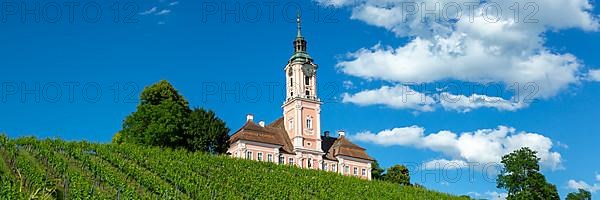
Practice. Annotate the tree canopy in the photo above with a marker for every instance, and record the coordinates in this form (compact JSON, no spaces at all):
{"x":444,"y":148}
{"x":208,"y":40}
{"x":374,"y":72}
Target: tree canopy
{"x":397,"y":174}
{"x":163,"y":118}
{"x":522,"y":179}
{"x":580,"y":195}
{"x":376,"y":170}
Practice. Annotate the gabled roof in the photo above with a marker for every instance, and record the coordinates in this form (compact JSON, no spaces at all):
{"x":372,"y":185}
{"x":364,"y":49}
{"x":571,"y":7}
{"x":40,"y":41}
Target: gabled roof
{"x":273,"y":133}
{"x":334,"y":147}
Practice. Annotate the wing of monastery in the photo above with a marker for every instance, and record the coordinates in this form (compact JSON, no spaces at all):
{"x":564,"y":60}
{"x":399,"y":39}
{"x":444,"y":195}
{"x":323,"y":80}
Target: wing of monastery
{"x":295,"y":138}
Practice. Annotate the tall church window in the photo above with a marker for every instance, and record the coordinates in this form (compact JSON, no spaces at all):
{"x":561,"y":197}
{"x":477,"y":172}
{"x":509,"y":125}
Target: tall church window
{"x":307,"y":80}
{"x":291,"y":81}
{"x":309,"y":124}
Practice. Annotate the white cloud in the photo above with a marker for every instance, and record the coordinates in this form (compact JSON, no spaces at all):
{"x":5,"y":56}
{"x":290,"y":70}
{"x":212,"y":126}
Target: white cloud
{"x":406,"y":136}
{"x":594,"y":75}
{"x":150,"y":11}
{"x":597,"y":177}
{"x":174,"y":3}
{"x":463,"y":103}
{"x":470,"y":49}
{"x":403,"y":97}
{"x":572,"y":184}
{"x":163,"y":12}
{"x":484,"y":146}
{"x":445,"y":164}
{"x":398,"y":97}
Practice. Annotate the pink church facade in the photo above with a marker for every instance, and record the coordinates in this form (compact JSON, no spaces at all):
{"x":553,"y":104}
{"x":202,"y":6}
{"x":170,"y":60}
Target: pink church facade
{"x":295,"y":138}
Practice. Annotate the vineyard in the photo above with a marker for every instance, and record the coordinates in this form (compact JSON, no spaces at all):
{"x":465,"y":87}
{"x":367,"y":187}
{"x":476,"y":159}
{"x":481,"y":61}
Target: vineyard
{"x":55,"y":169}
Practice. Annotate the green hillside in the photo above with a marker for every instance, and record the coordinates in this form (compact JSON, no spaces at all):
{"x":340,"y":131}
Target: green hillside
{"x":55,"y":169}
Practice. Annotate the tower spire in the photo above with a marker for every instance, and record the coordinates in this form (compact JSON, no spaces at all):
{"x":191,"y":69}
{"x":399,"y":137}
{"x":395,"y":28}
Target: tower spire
{"x":299,"y":26}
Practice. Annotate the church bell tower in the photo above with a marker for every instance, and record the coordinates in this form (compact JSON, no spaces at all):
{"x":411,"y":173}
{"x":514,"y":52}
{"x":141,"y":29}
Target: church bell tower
{"x":302,"y":107}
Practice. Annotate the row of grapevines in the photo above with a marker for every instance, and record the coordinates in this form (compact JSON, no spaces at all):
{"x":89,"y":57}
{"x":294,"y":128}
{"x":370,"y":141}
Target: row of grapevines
{"x":172,"y":167}
{"x":75,"y":182}
{"x":147,"y":179}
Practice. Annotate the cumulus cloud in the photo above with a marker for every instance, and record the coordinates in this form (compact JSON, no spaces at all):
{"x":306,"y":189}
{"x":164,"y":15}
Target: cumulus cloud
{"x":573,"y":184}
{"x":594,"y":75}
{"x":463,"y":103}
{"x":484,"y":146}
{"x":403,"y":97}
{"x":399,"y":97}
{"x":472,"y":46}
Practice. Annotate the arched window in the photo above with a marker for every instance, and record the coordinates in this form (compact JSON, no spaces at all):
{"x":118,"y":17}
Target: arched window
{"x":309,"y":162}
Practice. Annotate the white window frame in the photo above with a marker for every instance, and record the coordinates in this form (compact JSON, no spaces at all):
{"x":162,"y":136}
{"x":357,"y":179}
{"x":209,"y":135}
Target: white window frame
{"x":346,"y":169}
{"x":249,"y":155}
{"x":325,"y":167}
{"x":270,"y":157}
{"x":259,"y":156}
{"x":309,"y":123}
{"x":355,"y":170}
{"x":281,"y":159}
{"x":363,"y":172}
{"x":334,"y":167}
{"x":291,"y":161}
{"x":309,"y":163}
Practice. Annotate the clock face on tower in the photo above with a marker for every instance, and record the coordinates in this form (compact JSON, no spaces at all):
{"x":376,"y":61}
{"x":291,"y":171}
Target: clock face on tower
{"x":308,"y":69}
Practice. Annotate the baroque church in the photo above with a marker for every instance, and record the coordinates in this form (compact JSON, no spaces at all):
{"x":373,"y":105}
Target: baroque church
{"x":295,"y":139}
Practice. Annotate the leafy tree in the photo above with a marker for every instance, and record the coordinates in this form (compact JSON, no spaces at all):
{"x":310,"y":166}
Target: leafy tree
{"x":580,"y":195}
{"x":522,"y":179}
{"x":159,"y":118}
{"x":376,"y":170}
{"x":398,"y":174}
{"x":163,"y":118}
{"x":206,"y":132}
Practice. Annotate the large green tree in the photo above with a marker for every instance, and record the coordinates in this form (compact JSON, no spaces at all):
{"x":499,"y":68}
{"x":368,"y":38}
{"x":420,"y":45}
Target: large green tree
{"x":522,"y":179}
{"x":163,"y":118}
{"x":376,"y":170}
{"x":580,"y":195}
{"x":159,"y":118}
{"x":206,"y":132}
{"x":398,"y":174}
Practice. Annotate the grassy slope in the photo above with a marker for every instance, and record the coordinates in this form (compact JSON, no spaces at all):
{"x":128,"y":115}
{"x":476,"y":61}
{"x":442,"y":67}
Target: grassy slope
{"x":201,"y":176}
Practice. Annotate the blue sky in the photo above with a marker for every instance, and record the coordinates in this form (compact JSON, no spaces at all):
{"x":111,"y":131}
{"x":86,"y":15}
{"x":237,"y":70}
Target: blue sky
{"x":368,"y":61}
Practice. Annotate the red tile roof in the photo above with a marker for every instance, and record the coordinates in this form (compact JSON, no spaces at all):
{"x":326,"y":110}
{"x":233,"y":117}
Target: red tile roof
{"x":275,"y":133}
